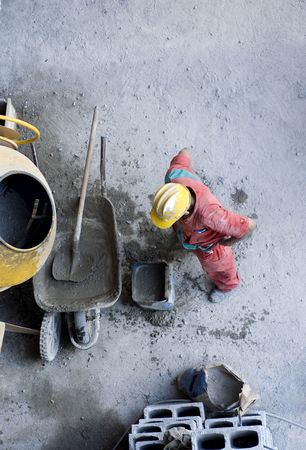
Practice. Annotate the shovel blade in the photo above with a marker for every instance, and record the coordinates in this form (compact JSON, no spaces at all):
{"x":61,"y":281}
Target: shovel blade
{"x":81,"y":268}
{"x":67,"y":267}
{"x":61,"y":266}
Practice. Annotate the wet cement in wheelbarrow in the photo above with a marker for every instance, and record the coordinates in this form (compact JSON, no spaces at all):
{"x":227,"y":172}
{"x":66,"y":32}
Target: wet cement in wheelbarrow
{"x":100,"y":288}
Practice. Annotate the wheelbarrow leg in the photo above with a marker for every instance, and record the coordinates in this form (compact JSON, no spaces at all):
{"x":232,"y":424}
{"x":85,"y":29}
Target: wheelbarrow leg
{"x":83,"y":327}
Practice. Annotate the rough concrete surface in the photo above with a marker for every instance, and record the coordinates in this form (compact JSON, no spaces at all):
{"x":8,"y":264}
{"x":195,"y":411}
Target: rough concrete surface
{"x":224,"y":78}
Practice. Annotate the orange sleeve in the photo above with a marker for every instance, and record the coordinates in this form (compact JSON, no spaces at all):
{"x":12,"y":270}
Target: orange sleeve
{"x":181,"y":161}
{"x":225,"y":222}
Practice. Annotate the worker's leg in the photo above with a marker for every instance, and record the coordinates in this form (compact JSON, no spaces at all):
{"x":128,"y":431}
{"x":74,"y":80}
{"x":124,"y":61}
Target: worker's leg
{"x":220,"y":267}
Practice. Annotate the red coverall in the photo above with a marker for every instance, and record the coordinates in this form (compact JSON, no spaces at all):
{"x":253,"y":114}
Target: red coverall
{"x":208,"y":224}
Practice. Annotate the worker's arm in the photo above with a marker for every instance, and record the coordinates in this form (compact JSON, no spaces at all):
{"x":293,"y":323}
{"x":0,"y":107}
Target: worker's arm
{"x":234,"y":227}
{"x":228,"y":242}
{"x":186,"y":152}
{"x":180,"y":163}
{"x":182,"y":160}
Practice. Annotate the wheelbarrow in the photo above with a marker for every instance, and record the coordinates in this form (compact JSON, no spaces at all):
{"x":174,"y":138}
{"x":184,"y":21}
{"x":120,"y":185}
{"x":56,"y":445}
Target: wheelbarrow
{"x":81,"y":302}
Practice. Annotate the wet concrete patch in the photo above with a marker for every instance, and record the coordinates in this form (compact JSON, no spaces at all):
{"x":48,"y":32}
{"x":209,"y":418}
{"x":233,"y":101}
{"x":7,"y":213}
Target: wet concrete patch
{"x":163,"y":240}
{"x":239,"y":197}
{"x":137,"y":318}
{"x":161,"y":319}
{"x":125,"y":209}
{"x":82,"y":428}
{"x":234,"y":331}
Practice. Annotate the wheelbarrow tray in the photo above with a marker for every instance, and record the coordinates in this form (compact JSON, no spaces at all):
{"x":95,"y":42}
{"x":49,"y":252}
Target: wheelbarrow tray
{"x":102,"y":287}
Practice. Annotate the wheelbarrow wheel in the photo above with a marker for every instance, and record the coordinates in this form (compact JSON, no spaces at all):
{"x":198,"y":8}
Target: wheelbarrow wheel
{"x":50,"y":335}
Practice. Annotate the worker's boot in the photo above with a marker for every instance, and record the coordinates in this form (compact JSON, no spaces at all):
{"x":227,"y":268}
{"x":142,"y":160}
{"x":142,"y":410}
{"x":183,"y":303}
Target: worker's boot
{"x":217,"y":296}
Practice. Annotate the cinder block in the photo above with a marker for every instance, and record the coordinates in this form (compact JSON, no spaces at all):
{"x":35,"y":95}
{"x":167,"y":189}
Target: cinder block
{"x":144,"y":437}
{"x":144,"y":426}
{"x":153,"y":420}
{"x":148,"y":427}
{"x":150,"y":445}
{"x":256,"y":418}
{"x":226,"y":422}
{"x":232,"y":438}
{"x":175,"y":410}
{"x":209,"y":439}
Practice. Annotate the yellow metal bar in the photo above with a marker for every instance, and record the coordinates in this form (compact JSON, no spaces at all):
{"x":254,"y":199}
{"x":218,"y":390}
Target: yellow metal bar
{"x":23,"y":124}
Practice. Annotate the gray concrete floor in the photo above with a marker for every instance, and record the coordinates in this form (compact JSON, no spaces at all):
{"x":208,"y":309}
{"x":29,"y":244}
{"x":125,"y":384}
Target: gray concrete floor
{"x":224,"y":78}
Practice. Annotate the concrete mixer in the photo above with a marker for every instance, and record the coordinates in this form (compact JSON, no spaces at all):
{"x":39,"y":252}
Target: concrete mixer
{"x":27,"y":209}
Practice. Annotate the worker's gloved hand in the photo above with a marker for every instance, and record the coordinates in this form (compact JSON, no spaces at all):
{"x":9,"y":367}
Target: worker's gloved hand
{"x":227,"y":241}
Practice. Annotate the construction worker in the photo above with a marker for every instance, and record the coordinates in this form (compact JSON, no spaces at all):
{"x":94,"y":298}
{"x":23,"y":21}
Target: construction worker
{"x":201,"y":223}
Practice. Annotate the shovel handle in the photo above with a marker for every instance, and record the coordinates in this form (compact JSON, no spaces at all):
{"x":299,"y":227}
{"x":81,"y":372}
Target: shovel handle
{"x":102,"y":164}
{"x":91,"y":144}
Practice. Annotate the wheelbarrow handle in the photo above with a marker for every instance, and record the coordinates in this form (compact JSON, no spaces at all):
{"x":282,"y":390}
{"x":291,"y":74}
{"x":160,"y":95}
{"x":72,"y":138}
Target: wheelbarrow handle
{"x":102,"y":165}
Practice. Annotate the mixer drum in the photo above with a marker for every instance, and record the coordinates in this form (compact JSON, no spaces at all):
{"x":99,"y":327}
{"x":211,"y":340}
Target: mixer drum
{"x":27,"y":218}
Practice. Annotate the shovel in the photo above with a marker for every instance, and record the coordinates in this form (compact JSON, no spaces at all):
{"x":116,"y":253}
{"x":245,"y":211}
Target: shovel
{"x":68,"y":263}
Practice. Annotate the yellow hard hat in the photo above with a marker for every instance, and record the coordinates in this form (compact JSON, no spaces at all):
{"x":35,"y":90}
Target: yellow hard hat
{"x":170,"y":203}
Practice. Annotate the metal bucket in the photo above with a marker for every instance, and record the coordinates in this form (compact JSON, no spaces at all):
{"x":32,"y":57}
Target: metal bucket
{"x":27,"y":218}
{"x":153,"y":285}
